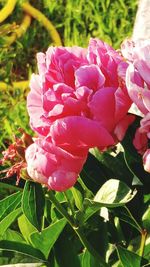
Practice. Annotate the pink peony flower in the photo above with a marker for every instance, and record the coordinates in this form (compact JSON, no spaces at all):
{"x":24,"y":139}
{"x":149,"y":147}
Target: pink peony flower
{"x":146,"y":160}
{"x":138,"y":86}
{"x":53,"y":166}
{"x":77,"y":101}
{"x":77,"y":85}
{"x":137,"y":76}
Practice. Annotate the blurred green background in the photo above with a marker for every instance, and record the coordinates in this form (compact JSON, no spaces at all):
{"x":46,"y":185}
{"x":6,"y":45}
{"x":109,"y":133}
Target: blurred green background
{"x":76,"y":21}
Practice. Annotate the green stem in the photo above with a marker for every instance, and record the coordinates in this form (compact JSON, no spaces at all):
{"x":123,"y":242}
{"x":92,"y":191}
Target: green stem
{"x":77,"y":230}
{"x":138,"y":227}
{"x":125,"y":159}
{"x":69,"y":202}
{"x":143,"y":240}
{"x":60,"y":208}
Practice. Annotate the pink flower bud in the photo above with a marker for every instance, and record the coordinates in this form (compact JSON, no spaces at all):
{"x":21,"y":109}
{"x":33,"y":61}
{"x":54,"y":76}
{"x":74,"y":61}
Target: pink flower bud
{"x":52,"y":166}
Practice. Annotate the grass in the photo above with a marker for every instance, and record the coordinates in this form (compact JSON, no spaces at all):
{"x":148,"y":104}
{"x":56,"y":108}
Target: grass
{"x":76,"y":21}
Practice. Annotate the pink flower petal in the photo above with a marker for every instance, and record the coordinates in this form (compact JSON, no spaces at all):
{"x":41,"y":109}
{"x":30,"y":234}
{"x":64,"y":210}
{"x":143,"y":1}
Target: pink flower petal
{"x":102,"y":107}
{"x":122,"y":104}
{"x":146,"y":99}
{"x":89,"y":76}
{"x":140,"y":141}
{"x":62,"y":180}
{"x":41,"y":63}
{"x":135,"y":86}
{"x":34,"y":106}
{"x":74,"y":131}
{"x":141,"y":61}
{"x":122,"y":126}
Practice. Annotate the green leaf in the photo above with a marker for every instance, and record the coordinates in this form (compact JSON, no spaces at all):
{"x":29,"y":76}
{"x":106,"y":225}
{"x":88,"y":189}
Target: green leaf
{"x":10,"y":203}
{"x":115,"y":193}
{"x":115,"y":164}
{"x":54,"y":213}
{"x":89,"y":261}
{"x":12,"y":235}
{"x":33,"y":201}
{"x":135,"y":246}
{"x":128,"y":258}
{"x":98,"y":237}
{"x":117,"y":264}
{"x":88,"y":211}
{"x":108,"y":196}
{"x":64,"y":244}
{"x":8,"y":220}
{"x":94,"y":173}
{"x":26,"y":228}
{"x":46,"y":239}
{"x":21,"y":248}
{"x":9,"y":186}
{"x":124,"y":214}
{"x":77,"y":198}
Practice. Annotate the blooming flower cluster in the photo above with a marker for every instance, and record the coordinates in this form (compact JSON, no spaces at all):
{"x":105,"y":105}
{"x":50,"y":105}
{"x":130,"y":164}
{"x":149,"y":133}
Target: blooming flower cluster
{"x":77,"y":101}
{"x":138,"y":85}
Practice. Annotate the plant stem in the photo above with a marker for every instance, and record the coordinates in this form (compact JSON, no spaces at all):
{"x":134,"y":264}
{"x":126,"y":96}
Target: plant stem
{"x":143,"y":240}
{"x":138,"y":227}
{"x":60,"y":207}
{"x":77,"y":230}
{"x":69,"y":202}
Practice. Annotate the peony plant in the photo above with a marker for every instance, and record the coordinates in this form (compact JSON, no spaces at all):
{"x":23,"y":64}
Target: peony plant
{"x":86,"y":167}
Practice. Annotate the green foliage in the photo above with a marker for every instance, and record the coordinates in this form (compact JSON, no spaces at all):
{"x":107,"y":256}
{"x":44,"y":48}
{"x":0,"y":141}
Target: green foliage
{"x":53,"y":231}
{"x":108,"y":235}
{"x":104,"y":219}
{"x":26,"y":228}
{"x":8,"y":220}
{"x":9,"y":204}
{"x":21,"y":248}
{"x":33,"y":204}
{"x":128,"y":258}
{"x":114,"y":193}
{"x":88,"y":260}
